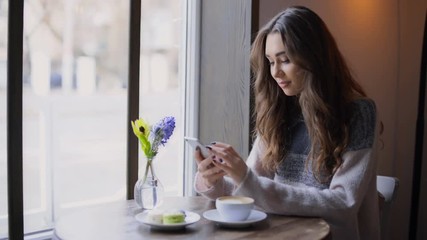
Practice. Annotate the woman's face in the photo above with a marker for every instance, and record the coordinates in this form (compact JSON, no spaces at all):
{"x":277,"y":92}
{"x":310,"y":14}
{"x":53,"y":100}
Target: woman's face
{"x":287,"y":74}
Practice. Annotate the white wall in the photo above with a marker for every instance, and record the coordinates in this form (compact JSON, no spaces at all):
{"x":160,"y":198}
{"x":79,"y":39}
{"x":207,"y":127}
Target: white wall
{"x":381,"y":41}
{"x":225,"y":73}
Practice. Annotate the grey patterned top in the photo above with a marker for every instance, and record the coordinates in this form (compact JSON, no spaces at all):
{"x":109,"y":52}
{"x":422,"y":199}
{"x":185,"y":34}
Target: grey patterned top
{"x":293,"y":169}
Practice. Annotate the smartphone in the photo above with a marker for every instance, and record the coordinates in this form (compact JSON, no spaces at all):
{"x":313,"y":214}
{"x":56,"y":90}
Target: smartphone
{"x":194,"y":142}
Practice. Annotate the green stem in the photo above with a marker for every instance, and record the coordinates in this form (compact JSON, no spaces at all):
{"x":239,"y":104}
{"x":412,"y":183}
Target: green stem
{"x":147,"y":167}
{"x":151,"y":170}
{"x":155,"y":187}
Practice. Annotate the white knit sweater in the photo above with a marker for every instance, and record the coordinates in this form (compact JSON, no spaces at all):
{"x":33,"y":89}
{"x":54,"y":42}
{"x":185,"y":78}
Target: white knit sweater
{"x":349,"y":202}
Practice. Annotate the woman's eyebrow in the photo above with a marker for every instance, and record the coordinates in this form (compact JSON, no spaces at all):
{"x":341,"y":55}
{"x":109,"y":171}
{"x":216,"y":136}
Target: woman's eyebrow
{"x":277,"y":54}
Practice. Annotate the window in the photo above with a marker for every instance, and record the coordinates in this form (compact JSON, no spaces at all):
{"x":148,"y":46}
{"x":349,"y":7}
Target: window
{"x":161,"y":84}
{"x":75,"y":65}
{"x":3,"y":76}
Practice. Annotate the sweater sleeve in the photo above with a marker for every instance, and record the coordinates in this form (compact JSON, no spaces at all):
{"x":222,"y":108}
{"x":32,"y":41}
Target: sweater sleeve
{"x":226,"y":186}
{"x":339,"y":201}
{"x":338,"y":204}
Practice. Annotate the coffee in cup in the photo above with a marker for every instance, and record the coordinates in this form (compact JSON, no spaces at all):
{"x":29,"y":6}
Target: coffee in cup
{"x":234,"y":208}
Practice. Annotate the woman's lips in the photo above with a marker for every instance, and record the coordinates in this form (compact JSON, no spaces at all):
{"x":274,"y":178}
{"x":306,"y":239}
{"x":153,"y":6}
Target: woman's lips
{"x":284,"y":84}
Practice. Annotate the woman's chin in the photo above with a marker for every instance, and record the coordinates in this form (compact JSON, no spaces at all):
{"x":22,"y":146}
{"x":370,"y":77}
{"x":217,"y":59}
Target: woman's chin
{"x":289,"y":92}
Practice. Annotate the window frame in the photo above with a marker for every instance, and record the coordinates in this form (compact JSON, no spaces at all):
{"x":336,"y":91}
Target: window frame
{"x":191,"y":74}
{"x":14,"y":119}
{"x":133,"y":95}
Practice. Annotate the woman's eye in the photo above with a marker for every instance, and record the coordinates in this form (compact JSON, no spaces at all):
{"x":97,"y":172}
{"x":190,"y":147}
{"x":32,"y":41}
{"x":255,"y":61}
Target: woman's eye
{"x":285,"y":60}
{"x":279,"y":61}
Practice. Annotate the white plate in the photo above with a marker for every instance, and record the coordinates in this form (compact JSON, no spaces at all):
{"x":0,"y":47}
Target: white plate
{"x":254,"y":217}
{"x":190,"y":218}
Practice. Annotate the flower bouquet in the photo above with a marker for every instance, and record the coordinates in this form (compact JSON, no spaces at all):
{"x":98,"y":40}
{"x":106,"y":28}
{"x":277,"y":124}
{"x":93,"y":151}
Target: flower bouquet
{"x":148,"y":190}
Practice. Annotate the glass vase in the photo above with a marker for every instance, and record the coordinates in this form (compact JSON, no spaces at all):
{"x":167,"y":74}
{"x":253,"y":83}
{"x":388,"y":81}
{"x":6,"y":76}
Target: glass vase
{"x":148,"y":190}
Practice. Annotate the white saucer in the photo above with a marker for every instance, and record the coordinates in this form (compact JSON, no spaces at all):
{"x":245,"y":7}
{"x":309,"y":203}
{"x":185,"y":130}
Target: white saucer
{"x":254,"y":217}
{"x":190,"y":218}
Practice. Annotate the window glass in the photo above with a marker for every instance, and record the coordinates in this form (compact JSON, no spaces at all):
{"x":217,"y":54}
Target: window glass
{"x":74,"y":106}
{"x":3,"y":109}
{"x":161,"y":84}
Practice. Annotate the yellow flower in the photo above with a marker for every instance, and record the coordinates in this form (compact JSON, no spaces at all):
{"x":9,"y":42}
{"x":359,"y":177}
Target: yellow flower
{"x":141,"y":129}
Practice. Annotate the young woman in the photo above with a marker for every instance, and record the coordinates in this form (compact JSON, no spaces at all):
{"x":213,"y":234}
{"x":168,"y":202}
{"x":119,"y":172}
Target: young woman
{"x":314,"y":152}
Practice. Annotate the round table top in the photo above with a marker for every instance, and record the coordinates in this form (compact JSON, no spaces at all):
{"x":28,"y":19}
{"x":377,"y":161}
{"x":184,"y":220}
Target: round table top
{"x":117,"y":221}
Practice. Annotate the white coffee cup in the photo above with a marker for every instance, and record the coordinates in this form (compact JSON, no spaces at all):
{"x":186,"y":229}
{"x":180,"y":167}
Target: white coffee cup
{"x":234,"y":208}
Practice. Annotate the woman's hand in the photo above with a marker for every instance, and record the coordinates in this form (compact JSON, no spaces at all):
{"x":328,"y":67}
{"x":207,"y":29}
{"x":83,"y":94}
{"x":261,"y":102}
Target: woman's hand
{"x":229,"y":161}
{"x":207,"y":170}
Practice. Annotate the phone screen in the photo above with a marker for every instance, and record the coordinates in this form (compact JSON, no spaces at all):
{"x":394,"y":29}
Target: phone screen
{"x":194,"y":142}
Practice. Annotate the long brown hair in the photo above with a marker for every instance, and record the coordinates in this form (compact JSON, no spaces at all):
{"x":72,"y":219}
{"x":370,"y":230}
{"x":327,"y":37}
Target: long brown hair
{"x":328,"y":90}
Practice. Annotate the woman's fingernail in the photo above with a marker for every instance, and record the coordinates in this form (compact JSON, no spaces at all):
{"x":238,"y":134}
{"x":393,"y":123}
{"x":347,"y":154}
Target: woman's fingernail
{"x":208,"y":147}
{"x":197,"y":148}
{"x":213,"y":143}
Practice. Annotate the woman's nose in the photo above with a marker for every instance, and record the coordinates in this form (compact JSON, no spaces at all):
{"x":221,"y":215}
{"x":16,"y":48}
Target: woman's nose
{"x":276,"y":71}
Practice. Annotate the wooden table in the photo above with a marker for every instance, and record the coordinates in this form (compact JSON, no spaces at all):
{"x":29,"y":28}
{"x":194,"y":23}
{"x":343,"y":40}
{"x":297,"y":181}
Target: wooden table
{"x":117,"y":221}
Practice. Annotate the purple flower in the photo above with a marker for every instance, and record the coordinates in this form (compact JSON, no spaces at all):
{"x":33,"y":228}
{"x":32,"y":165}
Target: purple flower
{"x":166,"y":126}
